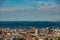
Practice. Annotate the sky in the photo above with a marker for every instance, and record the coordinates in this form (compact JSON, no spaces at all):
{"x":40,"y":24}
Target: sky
{"x":29,"y":10}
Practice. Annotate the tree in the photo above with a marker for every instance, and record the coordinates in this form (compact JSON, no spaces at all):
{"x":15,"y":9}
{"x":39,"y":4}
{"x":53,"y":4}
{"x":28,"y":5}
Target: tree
{"x":58,"y":38}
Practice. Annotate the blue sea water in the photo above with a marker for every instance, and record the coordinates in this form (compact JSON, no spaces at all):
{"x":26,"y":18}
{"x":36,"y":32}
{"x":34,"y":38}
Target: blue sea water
{"x":29,"y":24}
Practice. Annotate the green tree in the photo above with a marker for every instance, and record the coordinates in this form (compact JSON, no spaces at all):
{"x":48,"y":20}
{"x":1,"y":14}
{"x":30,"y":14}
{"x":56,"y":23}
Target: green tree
{"x":58,"y":38}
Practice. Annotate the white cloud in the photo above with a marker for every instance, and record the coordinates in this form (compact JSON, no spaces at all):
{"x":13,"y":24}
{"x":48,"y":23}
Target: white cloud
{"x":43,"y":11}
{"x":40,"y":6}
{"x":16,"y":8}
{"x":52,"y":17}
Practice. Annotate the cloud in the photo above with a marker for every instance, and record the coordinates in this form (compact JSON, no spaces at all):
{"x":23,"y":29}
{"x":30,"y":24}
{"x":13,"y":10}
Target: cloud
{"x":40,"y":6}
{"x":38,"y":10}
{"x":16,"y":9}
{"x":37,"y":7}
